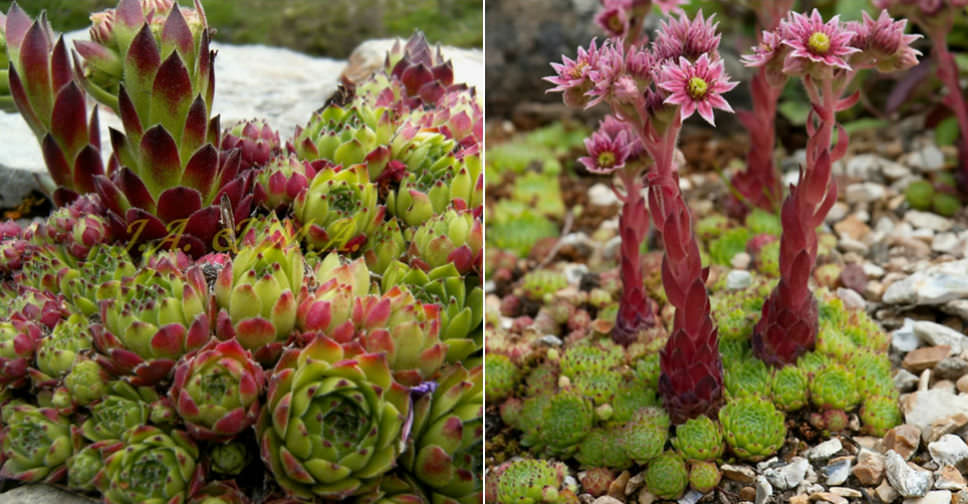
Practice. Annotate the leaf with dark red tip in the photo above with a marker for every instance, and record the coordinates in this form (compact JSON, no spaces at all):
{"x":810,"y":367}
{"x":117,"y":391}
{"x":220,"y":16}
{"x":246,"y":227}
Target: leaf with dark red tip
{"x":18,"y":22}
{"x":176,"y":33}
{"x":415,"y":77}
{"x":34,"y":62}
{"x":110,"y":194}
{"x":195,"y":131}
{"x":201,"y":170}
{"x":140,"y":65}
{"x":230,"y":167}
{"x":159,"y":157}
{"x":178,"y":203}
{"x":204,"y":224}
{"x":57,"y":164}
{"x":129,"y":115}
{"x":171,"y":94}
{"x":134,"y":189}
{"x":60,"y":66}
{"x":20,"y":98}
{"x":87,"y":165}
{"x":94,"y":129}
{"x":143,"y":225}
{"x":123,"y":153}
{"x":64,"y":197}
{"x":68,"y":123}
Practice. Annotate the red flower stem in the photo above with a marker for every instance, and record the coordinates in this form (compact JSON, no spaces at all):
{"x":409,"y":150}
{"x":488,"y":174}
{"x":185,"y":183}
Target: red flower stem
{"x":635,"y":311}
{"x":948,"y":73}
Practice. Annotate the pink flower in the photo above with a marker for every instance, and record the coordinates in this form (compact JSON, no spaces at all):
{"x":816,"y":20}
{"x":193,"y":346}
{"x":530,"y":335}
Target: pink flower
{"x":686,"y":38}
{"x":696,"y":86}
{"x":573,"y":77}
{"x":884,"y":43}
{"x":607,"y":76}
{"x":765,"y":52}
{"x":613,"y":20}
{"x":815,"y":41}
{"x":608,"y":148}
{"x":668,"y":6}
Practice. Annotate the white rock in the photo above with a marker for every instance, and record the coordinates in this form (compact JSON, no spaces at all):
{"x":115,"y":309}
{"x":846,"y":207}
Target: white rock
{"x":923,"y":407}
{"x":908,"y":481}
{"x":692,"y":497}
{"x":837,"y":212}
{"x":894,"y":171}
{"x":738,"y":280}
{"x":948,"y":450}
{"x":789,"y":475}
{"x":927,"y":220}
{"x":741,"y":261}
{"x":601,"y":195}
{"x":903,"y":338}
{"x":935,"y":334}
{"x":934,"y":285}
{"x":905,"y":381}
{"x":947,"y":243}
{"x":932,"y":497}
{"x":851,"y":298}
{"x":824,"y":450}
{"x":574,"y":272}
{"x":928,"y":159}
{"x":763,"y":490}
{"x":605,"y":499}
{"x":864,"y":192}
{"x":872,"y":270}
{"x":837,"y":472}
{"x":957,"y":307}
{"x":551,"y":340}
{"x":864,"y":166}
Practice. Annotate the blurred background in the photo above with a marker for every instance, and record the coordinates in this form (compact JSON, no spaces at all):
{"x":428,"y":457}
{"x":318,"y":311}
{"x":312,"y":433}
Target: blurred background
{"x":331,"y":28}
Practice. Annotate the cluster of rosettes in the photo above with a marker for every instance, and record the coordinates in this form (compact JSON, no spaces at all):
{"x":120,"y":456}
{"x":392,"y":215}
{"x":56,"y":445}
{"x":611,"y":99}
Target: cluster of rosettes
{"x":319,"y":321}
{"x":927,"y":13}
{"x":806,"y":45}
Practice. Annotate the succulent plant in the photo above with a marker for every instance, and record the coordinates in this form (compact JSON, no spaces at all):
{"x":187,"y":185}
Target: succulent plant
{"x":256,"y":141}
{"x":281,"y":179}
{"x":36,"y":443}
{"x":604,"y":447}
{"x":257,"y":296}
{"x":153,"y":466}
{"x":747,"y":376}
{"x":41,"y":82}
{"x":339,"y":209}
{"x":359,"y":134}
{"x":667,"y":476}
{"x":447,"y":437}
{"x":646,"y":434}
{"x":434,"y":181}
{"x":404,"y":329}
{"x":97,"y":278}
{"x":880,"y":414}
{"x":229,"y":458}
{"x":699,"y":439}
{"x":156,"y":318}
{"x":385,"y":246}
{"x":216,"y":390}
{"x":121,"y":408}
{"x":57,"y":352}
{"x":790,"y":390}
{"x":460,"y":303}
{"x":541,"y":284}
{"x":599,"y":386}
{"x":730,"y":242}
{"x":834,"y":387}
{"x":919,"y":194}
{"x":704,"y":476}
{"x":565,"y":419}
{"x":219,"y":492}
{"x":84,"y":466}
{"x":593,"y":356}
{"x":86,"y":382}
{"x":530,"y":481}
{"x":450,"y":237}
{"x":596,"y":480}
{"x":631,"y":396}
{"x":503,"y":377}
{"x":753,"y":427}
{"x":520,"y":233}
{"x":331,"y":425}
{"x":18,"y":342}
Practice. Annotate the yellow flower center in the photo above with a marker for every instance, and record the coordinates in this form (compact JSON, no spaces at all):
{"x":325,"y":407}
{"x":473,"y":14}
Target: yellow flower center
{"x":697,"y":88}
{"x":606,"y":159}
{"x":579,"y":69}
{"x":819,"y":43}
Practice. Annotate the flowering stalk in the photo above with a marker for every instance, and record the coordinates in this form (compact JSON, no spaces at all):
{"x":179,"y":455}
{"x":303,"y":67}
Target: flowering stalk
{"x":759,"y":185}
{"x":936,"y":18}
{"x":688,"y":77}
{"x":827,"y":56}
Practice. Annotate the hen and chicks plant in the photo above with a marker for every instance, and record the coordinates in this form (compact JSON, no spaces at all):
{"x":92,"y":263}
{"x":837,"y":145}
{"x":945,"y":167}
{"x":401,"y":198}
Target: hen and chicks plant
{"x":208,"y":305}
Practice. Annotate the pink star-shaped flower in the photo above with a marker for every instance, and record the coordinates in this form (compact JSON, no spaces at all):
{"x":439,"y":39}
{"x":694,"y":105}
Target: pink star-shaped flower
{"x":815,"y":41}
{"x":696,"y":86}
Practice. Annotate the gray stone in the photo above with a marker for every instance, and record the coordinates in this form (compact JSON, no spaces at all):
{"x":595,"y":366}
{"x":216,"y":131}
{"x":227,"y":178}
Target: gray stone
{"x":904,"y":380}
{"x":956,"y":307}
{"x":691,"y":497}
{"x":789,"y":475}
{"x":932,"y":497}
{"x":551,"y":340}
{"x":933,"y":285}
{"x":948,"y":450}
{"x":764,"y":491}
{"x":738,"y":280}
{"x":928,"y":159}
{"x":602,"y":195}
{"x":939,"y":334}
{"x":864,"y":192}
{"x":824,"y":450}
{"x":951,"y":368}
{"x":903,"y":338}
{"x":926,"y":406}
{"x":927,"y":220}
{"x":947,"y":243}
{"x":574,"y":272}
{"x":851,"y":298}
{"x":837,"y":471}
{"x":908,"y":482}
{"x":606,"y":499}
{"x":42,"y":494}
